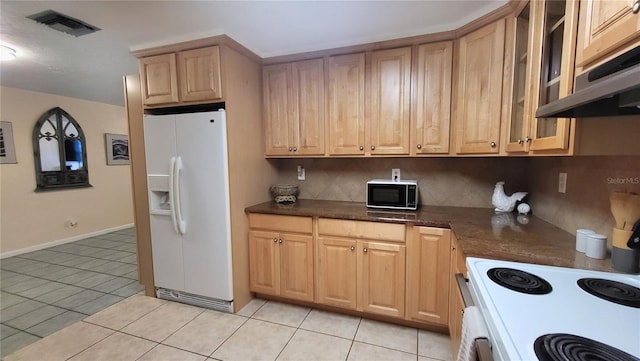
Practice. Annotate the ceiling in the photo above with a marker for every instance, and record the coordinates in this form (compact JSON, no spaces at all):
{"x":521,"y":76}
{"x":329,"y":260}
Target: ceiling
{"x":91,"y":67}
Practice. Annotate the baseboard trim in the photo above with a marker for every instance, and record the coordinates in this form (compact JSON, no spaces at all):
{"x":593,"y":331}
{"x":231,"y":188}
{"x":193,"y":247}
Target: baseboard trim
{"x":63,"y":241}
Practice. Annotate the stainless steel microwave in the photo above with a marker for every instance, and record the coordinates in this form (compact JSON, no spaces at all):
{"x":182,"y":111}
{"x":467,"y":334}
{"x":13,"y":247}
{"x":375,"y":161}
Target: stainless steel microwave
{"x":389,"y":194}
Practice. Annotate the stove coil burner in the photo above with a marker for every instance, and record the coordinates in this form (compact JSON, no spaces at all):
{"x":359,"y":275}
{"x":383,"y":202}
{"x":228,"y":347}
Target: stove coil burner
{"x":616,"y":292}
{"x":566,"y":347}
{"x":519,"y":281}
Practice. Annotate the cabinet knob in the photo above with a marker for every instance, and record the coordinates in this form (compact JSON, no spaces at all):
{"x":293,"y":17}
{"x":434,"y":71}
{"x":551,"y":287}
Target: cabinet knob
{"x":636,"y":7}
{"x":527,"y":139}
{"x":364,"y":250}
{"x":279,"y":241}
{"x":493,"y":144}
{"x":520,"y":141}
{"x":353,"y":248}
{"x":290,"y":148}
{"x":275,"y":240}
{"x":419,"y":146}
{"x":295,"y":149}
{"x":373,"y":147}
{"x":361,"y":147}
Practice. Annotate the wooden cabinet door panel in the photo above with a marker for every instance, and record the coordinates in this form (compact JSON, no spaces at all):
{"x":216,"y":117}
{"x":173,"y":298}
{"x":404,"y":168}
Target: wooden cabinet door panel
{"x":428,"y":274}
{"x":555,"y":72}
{"x":607,"y":26}
{"x":337,"y":272}
{"x":296,"y":257}
{"x":200,"y":74}
{"x":456,"y":303}
{"x":381,"y":276}
{"x":480,"y":71}
{"x":159,"y":78}
{"x":431,"y":108}
{"x":264,"y":262}
{"x":277,"y":109}
{"x":390,"y":96}
{"x":346,"y":104}
{"x":308,"y":107}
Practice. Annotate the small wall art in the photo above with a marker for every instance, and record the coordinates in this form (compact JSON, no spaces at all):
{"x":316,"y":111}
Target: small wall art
{"x":117,"y":149}
{"x":7,"y":147}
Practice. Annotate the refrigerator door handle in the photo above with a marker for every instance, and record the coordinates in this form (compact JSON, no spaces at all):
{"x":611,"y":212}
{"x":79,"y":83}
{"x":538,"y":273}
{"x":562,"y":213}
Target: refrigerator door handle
{"x":180,"y":222}
{"x":172,"y":200}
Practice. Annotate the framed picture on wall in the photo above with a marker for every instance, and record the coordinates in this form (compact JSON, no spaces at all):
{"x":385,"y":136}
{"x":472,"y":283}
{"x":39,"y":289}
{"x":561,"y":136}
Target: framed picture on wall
{"x":7,"y":147}
{"x":117,"y":149}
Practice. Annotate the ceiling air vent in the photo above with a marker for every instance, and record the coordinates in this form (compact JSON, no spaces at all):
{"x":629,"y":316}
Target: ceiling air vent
{"x":63,"y":23}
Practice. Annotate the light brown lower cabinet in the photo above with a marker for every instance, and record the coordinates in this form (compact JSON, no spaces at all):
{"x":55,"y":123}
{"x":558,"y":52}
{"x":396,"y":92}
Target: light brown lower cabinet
{"x":361,"y":266}
{"x":337,"y":267}
{"x":456,"y":304}
{"x":361,"y":275}
{"x":281,"y":262}
{"x":428,"y":267}
{"x":388,"y":269}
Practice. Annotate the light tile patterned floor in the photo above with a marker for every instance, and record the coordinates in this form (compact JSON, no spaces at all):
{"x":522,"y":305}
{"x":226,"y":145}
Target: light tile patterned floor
{"x":47,"y":295}
{"x":45,"y":291}
{"x":263,"y":330}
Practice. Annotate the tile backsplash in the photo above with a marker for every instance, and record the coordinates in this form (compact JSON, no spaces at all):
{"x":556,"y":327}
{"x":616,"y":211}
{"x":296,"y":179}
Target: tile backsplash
{"x":590,"y":181}
{"x":469,"y":182}
{"x":463,"y":182}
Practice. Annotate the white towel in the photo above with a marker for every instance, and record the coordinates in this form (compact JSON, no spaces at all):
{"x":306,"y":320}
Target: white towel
{"x":473,"y":327}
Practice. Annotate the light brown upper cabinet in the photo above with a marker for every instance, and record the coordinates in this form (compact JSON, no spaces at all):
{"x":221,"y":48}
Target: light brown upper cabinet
{"x":346,"y":104}
{"x":294,"y":107}
{"x":159,"y":78}
{"x":555,"y":69}
{"x":372,"y":120}
{"x":519,"y":100}
{"x":606,"y":26}
{"x":197,"y":72}
{"x":479,"y":73}
{"x":387,"y":128}
{"x":431,"y":103}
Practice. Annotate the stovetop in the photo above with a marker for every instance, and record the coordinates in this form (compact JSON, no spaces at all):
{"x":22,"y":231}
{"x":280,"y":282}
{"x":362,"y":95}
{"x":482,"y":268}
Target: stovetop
{"x":515,"y":319}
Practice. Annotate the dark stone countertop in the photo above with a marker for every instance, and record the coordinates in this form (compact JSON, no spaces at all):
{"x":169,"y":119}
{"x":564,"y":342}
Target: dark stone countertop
{"x":480,"y":231}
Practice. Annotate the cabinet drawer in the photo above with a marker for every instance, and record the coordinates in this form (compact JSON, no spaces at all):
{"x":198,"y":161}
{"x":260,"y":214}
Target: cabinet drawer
{"x":281,"y":223}
{"x":363,"y":230}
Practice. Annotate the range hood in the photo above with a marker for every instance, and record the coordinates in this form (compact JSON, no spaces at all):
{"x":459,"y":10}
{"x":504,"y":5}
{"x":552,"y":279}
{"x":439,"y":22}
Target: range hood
{"x":610,"y":89}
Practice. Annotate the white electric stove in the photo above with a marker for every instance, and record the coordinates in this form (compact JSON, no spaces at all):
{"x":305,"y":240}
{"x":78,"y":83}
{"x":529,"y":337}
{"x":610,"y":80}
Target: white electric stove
{"x":516,"y":320}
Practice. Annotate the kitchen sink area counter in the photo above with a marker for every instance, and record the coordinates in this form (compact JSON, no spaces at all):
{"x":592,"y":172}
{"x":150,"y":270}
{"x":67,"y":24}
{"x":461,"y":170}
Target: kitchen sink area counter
{"x":480,"y":232}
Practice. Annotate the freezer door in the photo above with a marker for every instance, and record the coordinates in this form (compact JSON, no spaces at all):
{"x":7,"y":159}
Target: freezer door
{"x":204,"y":198}
{"x":166,"y":244}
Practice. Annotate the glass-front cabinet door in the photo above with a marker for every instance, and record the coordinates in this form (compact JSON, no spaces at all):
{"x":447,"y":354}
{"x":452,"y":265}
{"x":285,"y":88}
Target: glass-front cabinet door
{"x":521,"y":96}
{"x":556,"y":72}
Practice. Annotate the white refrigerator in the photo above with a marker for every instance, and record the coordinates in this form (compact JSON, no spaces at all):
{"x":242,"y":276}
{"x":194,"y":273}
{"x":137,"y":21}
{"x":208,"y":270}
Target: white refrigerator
{"x":188,"y":181}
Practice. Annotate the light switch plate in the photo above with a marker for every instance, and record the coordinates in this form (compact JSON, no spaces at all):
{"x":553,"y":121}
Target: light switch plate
{"x":301,"y":173}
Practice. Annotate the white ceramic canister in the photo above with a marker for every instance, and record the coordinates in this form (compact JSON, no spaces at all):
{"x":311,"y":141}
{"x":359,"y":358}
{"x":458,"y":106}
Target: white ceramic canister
{"x":597,"y":246}
{"x":582,"y":236}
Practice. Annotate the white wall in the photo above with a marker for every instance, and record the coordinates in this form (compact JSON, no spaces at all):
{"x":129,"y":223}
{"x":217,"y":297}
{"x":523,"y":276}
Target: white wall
{"x":30,"y":220}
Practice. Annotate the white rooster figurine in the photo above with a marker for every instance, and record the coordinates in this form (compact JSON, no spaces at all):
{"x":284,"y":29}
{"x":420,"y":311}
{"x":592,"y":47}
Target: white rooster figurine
{"x":503,"y":202}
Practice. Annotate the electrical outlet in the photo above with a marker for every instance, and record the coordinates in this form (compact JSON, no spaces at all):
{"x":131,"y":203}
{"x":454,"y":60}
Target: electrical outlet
{"x":562,"y":183}
{"x":301,"y":173}
{"x":395,"y":174}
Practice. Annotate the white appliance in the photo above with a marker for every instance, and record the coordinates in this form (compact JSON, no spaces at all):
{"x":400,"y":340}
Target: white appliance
{"x":515,"y":320}
{"x":188,"y":181}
